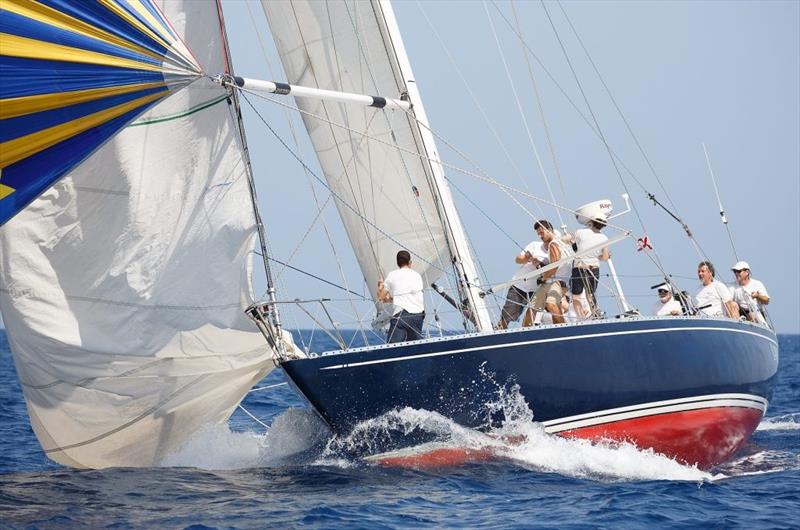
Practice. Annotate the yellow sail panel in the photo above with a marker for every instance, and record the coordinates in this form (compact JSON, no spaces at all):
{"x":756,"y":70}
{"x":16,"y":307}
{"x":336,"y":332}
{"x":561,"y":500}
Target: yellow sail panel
{"x":47,"y":15}
{"x":114,"y":6}
{"x":5,"y":191}
{"x":29,"y":104}
{"x":24,"y":146}
{"x":23,"y":47}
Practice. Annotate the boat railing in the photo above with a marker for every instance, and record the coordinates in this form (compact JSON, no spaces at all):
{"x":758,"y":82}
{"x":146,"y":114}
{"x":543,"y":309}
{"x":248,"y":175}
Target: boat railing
{"x":259,"y":313}
{"x":518,"y":330}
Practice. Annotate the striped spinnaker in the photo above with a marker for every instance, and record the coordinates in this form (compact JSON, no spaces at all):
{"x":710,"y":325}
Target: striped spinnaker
{"x":74,"y":74}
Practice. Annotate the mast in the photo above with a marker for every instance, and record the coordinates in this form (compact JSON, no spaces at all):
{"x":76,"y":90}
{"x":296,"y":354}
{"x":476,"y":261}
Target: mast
{"x":468,"y":279}
{"x":262,"y":237}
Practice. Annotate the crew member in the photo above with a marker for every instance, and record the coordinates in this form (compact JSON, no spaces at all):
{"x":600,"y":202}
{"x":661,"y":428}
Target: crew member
{"x":586,"y":272}
{"x":714,"y":295}
{"x":522,"y":290}
{"x":750,"y":294}
{"x":550,"y":292}
{"x":666,"y":305}
{"x":403,"y":288}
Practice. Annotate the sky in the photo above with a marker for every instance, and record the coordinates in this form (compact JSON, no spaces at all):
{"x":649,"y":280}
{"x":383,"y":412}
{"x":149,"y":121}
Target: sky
{"x":723,"y":74}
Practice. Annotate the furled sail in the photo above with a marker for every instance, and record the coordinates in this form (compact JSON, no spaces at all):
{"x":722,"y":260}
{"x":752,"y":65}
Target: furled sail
{"x":377,"y":164}
{"x":123,"y":285}
{"x":75,"y":73}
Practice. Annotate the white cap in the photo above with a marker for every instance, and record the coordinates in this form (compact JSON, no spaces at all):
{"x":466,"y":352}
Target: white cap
{"x":594,"y":211}
{"x":663,"y":287}
{"x":741,"y":265}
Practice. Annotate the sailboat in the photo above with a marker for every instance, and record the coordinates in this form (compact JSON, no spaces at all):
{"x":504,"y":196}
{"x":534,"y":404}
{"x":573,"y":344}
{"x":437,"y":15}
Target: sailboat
{"x":125,"y":284}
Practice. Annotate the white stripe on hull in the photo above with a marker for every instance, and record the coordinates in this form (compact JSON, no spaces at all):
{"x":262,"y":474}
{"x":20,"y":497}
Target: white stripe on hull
{"x":542,"y":341}
{"x":655,"y":408}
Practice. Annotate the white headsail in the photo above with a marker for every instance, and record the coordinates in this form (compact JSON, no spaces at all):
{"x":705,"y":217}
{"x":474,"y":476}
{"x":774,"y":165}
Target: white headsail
{"x":390,"y":195}
{"x":123,"y":285}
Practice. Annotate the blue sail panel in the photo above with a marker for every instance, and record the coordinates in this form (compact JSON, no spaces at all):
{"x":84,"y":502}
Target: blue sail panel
{"x":74,"y":74}
{"x":34,"y":175}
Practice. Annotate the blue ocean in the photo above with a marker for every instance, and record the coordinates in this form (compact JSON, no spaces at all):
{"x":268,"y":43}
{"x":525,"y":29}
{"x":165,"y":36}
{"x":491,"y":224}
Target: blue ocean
{"x":282,"y":469}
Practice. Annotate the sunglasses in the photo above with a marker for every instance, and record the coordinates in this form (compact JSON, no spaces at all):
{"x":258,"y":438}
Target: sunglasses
{"x":662,"y":291}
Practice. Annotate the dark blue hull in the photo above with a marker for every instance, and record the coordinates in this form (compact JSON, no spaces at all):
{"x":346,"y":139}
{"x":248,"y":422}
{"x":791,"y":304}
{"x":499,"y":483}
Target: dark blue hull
{"x":601,"y":379}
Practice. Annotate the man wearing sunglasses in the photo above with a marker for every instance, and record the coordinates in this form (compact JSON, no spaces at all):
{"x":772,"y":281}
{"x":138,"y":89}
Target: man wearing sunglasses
{"x":750,"y":294}
{"x":666,"y":305}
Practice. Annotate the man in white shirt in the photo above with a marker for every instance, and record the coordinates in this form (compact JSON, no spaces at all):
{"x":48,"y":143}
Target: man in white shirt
{"x":750,"y":294}
{"x":714,"y":295}
{"x":404,"y":289}
{"x":586,"y":272}
{"x":666,"y":305}
{"x":522,"y":290}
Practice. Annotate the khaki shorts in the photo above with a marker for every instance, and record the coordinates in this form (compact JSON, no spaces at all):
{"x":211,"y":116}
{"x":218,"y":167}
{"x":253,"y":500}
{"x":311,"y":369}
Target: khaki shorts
{"x":547,"y":293}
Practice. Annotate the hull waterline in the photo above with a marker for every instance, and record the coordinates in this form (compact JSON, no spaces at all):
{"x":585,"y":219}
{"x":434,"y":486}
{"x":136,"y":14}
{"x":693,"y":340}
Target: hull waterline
{"x":692,"y":389}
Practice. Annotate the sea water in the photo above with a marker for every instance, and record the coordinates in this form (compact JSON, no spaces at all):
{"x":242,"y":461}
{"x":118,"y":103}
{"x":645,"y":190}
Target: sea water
{"x":293,"y":473}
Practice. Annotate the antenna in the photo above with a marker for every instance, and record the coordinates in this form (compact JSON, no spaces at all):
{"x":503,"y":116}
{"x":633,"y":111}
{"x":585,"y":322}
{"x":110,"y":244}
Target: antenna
{"x":722,"y":216}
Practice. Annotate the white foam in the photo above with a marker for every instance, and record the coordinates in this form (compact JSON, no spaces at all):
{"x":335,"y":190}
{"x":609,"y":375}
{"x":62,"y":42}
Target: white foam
{"x":760,"y":463}
{"x":601,"y":461}
{"x":538,"y":450}
{"x":786,"y":422}
{"x":217,"y":447}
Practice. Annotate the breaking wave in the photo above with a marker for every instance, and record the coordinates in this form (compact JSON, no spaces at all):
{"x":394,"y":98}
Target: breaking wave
{"x":519,"y":440}
{"x":299,"y":437}
{"x":786,"y":422}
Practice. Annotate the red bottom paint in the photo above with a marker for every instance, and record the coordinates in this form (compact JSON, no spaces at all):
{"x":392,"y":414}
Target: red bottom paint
{"x":436,"y":458}
{"x":705,"y":437}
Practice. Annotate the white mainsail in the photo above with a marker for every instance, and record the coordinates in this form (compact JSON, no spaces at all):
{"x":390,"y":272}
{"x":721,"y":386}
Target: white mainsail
{"x":389,"y":194}
{"x":122,"y":287}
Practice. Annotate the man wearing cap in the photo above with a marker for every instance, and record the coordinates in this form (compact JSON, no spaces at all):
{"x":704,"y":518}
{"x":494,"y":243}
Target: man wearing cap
{"x":714,"y":298}
{"x":666,"y":305}
{"x":750,"y":294}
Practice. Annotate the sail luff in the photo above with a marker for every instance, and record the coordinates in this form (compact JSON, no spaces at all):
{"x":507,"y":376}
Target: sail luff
{"x":468,"y":280}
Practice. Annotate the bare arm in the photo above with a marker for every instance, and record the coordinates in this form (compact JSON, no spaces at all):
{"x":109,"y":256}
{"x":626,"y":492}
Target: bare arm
{"x":760,"y":298}
{"x":383,"y":293}
{"x":555,"y":254}
{"x":732,"y":308}
{"x":526,"y":257}
{"x":605,"y":255}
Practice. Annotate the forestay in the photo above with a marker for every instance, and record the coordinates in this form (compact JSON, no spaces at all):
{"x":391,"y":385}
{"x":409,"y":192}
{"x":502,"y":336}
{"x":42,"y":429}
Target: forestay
{"x":377,"y":164}
{"x":123,"y":285}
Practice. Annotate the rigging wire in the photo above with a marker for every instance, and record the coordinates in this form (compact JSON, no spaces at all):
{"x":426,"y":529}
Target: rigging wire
{"x":635,"y":138}
{"x":364,"y":51}
{"x":550,"y":144}
{"x":323,"y":280}
{"x":322,"y":181}
{"x":586,"y":120}
{"x":484,"y":178}
{"x":522,"y":112}
{"x":480,"y":109}
{"x":617,"y":107}
{"x":719,"y":202}
{"x":652,"y":254}
{"x":336,"y":143}
{"x":287,"y":116}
